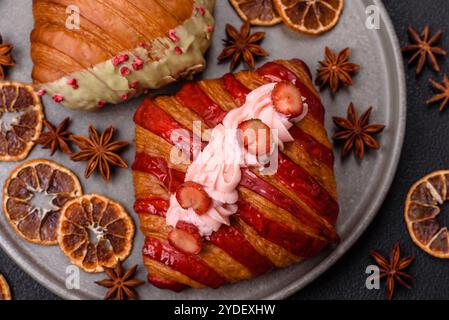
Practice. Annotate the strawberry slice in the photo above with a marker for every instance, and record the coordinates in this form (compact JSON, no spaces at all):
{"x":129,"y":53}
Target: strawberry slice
{"x":255,"y":136}
{"x":287,"y":99}
{"x":192,"y":195}
{"x":186,"y":238}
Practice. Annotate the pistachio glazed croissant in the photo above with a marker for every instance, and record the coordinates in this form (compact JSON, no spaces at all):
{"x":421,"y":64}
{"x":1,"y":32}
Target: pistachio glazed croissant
{"x":88,"y":53}
{"x":279,"y":220}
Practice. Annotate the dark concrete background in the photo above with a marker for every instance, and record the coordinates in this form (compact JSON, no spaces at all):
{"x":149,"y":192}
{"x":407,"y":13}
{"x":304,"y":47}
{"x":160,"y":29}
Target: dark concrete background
{"x":426,"y":149}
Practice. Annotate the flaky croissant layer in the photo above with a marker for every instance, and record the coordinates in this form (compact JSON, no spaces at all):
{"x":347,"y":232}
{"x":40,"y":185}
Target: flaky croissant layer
{"x":119,"y":49}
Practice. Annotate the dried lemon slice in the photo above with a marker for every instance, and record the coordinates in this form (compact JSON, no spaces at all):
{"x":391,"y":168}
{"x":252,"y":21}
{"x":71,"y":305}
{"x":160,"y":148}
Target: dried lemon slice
{"x":310,"y":16}
{"x":33,"y":196}
{"x":21,"y":116}
{"x":421,"y":212}
{"x":5,"y":294}
{"x":95,"y":232}
{"x":257,"y":12}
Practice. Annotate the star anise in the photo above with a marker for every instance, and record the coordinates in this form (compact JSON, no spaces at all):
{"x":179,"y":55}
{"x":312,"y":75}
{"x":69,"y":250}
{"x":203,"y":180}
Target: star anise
{"x":56,"y":138}
{"x":336,"y":70}
{"x":357,"y":133}
{"x":6,"y":59}
{"x":393,"y":269}
{"x":442,"y":95}
{"x":121,"y":283}
{"x":242,"y":45}
{"x":424,"y":48}
{"x":99,"y":151}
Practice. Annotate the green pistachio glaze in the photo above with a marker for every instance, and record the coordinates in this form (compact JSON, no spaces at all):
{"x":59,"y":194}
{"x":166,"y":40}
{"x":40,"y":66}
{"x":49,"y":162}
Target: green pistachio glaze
{"x":164,"y":63}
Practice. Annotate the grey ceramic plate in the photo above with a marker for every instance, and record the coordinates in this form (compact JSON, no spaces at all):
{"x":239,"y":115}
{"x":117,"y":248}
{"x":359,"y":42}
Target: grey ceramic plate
{"x":362,"y":186}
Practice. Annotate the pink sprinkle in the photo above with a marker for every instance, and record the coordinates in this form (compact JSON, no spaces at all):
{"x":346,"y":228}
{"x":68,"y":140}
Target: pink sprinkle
{"x":138,"y":64}
{"x":101,"y":104}
{"x":41,"y":92}
{"x":211,"y":29}
{"x":124,"y":58}
{"x":173,"y":36}
{"x":178,"y":50}
{"x":125,"y":96}
{"x":58,"y":98}
{"x":71,"y":82}
{"x":134,"y":85}
{"x":201,"y":10}
{"x":125,"y":71}
{"x":116,"y":61}
{"x":143,"y":44}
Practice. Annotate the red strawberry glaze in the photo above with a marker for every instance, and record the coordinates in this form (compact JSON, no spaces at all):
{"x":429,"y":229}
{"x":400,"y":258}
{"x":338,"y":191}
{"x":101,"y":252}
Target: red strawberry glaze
{"x":295,"y":242}
{"x":314,"y":148}
{"x":166,"y":284}
{"x":149,"y":116}
{"x":233,"y":242}
{"x":266,"y":190}
{"x":190,"y":265}
{"x":273,"y":72}
{"x":158,"y":167}
{"x":193,"y":97}
{"x":307,"y":188}
{"x":237,"y":90}
{"x":152,"y":205}
{"x":304,"y":66}
{"x":156,"y":120}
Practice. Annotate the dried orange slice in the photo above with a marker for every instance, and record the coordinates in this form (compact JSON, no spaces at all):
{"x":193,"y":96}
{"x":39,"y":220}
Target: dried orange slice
{"x":95,"y":232}
{"x":21,"y":116}
{"x":310,"y":16}
{"x":33,"y":196}
{"x":421,"y":212}
{"x":257,"y":12}
{"x":5,"y":294}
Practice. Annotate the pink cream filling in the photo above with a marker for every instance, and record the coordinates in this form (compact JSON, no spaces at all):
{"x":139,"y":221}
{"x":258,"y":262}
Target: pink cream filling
{"x":218,"y":167}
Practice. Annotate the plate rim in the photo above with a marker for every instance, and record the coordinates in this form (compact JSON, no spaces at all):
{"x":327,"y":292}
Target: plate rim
{"x":45,"y":278}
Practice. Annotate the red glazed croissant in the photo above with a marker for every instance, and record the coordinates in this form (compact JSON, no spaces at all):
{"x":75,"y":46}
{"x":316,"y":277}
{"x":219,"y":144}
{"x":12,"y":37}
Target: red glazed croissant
{"x":281,"y":219}
{"x":87,"y":53}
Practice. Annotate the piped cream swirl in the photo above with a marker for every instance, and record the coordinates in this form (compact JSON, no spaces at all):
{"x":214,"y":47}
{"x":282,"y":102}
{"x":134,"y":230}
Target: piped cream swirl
{"x":218,"y":167}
